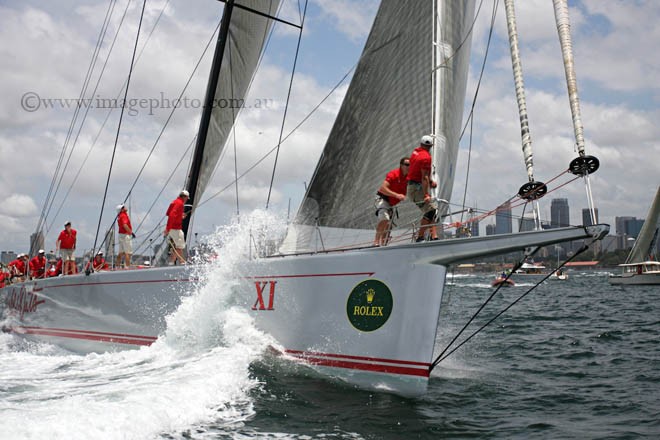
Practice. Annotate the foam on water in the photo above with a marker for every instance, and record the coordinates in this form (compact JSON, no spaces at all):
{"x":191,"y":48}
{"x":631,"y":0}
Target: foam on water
{"x":197,"y":372}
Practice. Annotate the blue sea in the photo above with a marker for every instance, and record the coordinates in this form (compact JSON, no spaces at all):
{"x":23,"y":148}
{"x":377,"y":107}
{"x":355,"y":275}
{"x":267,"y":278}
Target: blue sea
{"x":575,"y":359}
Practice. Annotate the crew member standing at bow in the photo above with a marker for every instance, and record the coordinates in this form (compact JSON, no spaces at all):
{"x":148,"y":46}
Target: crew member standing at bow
{"x":125,"y":237}
{"x":391,"y":192}
{"x":419,"y":185}
{"x":174,"y":228}
{"x":66,"y":244}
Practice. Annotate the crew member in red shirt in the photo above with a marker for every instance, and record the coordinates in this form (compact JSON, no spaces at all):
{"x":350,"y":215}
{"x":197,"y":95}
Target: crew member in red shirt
{"x":419,"y":185}
{"x":66,"y":244}
{"x":174,"y":228}
{"x":54,"y":268}
{"x":391,"y":192}
{"x":3,"y":276}
{"x":17,"y":268}
{"x":38,"y":265}
{"x":125,"y":237}
{"x":98,"y":263}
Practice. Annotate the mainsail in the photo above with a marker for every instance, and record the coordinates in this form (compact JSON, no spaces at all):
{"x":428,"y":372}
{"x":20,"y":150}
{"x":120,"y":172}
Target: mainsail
{"x":389,"y":106}
{"x":648,"y":235}
{"x":248,"y":32}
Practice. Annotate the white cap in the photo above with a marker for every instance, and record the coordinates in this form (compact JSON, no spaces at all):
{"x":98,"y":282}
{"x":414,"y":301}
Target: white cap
{"x":120,"y":207}
{"x":99,"y":253}
{"x":184,"y":193}
{"x":41,"y":251}
{"x":426,"y":140}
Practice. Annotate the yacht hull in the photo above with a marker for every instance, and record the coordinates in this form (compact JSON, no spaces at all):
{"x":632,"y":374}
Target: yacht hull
{"x":365,"y":316}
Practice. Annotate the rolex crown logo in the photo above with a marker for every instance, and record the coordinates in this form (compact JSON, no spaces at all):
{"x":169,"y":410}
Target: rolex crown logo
{"x":370,"y":295}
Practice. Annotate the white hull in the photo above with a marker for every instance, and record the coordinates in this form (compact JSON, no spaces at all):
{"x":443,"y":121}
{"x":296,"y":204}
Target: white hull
{"x":636,"y":279}
{"x":366,"y":316}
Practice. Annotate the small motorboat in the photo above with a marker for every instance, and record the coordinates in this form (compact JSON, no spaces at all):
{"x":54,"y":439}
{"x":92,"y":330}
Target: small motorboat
{"x":502,"y":280}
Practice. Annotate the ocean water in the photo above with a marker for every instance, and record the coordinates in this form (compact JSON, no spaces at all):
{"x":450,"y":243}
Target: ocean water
{"x":575,"y":359}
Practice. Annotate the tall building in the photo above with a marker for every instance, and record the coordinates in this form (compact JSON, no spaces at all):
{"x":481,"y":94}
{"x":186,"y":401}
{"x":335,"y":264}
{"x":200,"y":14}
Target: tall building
{"x":36,"y":242}
{"x":7,"y":256}
{"x":620,"y":223}
{"x":490,"y":229}
{"x":633,"y":226}
{"x":586,"y":216}
{"x":527,"y":223}
{"x":503,"y":222}
{"x":559,"y":213}
{"x":474,"y":228}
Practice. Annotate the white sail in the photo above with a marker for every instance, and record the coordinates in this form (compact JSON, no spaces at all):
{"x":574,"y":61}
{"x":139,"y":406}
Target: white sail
{"x":388,"y":107}
{"x":648,"y":235}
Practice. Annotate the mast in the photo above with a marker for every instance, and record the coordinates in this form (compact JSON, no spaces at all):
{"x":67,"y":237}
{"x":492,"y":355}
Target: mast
{"x":198,"y":155}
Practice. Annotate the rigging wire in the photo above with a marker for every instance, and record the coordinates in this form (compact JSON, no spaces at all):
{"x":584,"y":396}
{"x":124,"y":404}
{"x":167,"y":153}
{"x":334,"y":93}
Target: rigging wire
{"x":107,"y":117}
{"x":82,"y":123}
{"x":169,"y":118}
{"x":83,"y":91}
{"x":286,"y":105}
{"x":441,"y":358}
{"x":470,"y":120}
{"x":261,"y":56}
{"x":272,"y":150}
{"x":121,"y":115}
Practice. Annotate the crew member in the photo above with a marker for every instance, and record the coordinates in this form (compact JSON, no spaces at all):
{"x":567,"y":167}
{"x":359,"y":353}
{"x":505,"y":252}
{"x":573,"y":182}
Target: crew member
{"x":391,"y":192}
{"x":419,"y":185}
{"x":54,"y":268}
{"x":38,"y":265}
{"x":125,"y":237}
{"x":66,"y":244}
{"x":98,"y":263}
{"x":17,"y":268}
{"x":174,"y":228}
{"x":3,"y":276}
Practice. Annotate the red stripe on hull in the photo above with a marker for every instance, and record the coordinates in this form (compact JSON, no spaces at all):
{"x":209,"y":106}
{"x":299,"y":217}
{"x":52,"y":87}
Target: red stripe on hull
{"x":366,"y":367}
{"x":87,"y":335}
{"x":299,"y":353}
{"x":312,"y":275}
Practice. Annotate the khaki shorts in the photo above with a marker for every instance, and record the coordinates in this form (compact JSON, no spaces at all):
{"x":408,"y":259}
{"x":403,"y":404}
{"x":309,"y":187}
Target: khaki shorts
{"x":67,"y":254}
{"x":177,"y":237}
{"x":125,"y":244}
{"x":416,"y":194}
{"x":384,"y":210}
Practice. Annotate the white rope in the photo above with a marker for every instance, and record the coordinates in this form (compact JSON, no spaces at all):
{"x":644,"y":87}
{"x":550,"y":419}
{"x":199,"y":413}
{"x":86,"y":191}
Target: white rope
{"x":520,"y":88}
{"x":564,"y":29}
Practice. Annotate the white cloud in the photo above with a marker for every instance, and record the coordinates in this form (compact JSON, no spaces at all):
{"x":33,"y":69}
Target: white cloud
{"x":18,"y":205}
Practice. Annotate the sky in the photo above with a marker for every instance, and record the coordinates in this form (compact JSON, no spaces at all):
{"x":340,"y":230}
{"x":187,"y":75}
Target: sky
{"x":47,"y":47}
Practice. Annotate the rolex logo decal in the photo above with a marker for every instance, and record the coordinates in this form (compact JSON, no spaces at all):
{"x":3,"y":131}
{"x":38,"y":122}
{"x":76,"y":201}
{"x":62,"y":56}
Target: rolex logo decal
{"x":369,"y":305}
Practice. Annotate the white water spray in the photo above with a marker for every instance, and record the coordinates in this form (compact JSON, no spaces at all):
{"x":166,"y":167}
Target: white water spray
{"x":197,"y":373}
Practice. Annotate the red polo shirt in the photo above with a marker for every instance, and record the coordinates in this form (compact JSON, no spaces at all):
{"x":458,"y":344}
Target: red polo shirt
{"x":420,"y":160}
{"x":18,"y":266}
{"x":398,"y":184}
{"x":175,"y":214}
{"x":67,"y":241}
{"x":37,"y":267}
{"x":122,"y":220}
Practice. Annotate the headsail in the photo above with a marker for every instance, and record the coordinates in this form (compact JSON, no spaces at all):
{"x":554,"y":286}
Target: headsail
{"x":247,"y":35}
{"x":648,"y":235}
{"x":389,"y":106}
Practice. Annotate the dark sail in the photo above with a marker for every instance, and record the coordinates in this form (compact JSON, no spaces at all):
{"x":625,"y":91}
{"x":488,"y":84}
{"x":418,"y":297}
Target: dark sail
{"x":389,"y":106}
